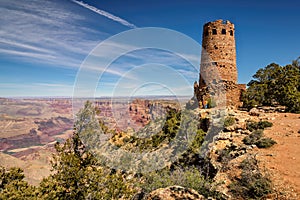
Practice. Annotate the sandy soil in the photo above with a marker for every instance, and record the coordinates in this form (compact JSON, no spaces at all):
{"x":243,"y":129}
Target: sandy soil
{"x":283,"y":159}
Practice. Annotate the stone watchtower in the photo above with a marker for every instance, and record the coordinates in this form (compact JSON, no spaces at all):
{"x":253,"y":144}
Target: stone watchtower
{"x":218,"y":72}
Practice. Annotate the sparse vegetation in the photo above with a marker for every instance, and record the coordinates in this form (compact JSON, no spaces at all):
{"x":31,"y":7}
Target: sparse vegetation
{"x":211,"y":103}
{"x":177,"y":124}
{"x":198,"y":141}
{"x":256,"y":137}
{"x":225,"y":155}
{"x":156,"y":138}
{"x":265,"y":143}
{"x":186,"y":177}
{"x":79,"y":175}
{"x":251,"y":184}
{"x":229,"y":121}
{"x":251,"y":126}
{"x":253,"y":137}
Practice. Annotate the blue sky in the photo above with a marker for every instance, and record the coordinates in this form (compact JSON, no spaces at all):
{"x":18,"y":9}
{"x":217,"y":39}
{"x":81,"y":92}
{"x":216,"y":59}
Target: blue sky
{"x":44,"y":42}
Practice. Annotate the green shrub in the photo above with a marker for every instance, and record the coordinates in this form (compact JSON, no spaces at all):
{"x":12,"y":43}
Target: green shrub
{"x":211,"y":103}
{"x":185,"y":177}
{"x":178,"y":125}
{"x":251,"y":126}
{"x":229,"y":121}
{"x":256,"y":137}
{"x":252,"y":184}
{"x":253,"y":137}
{"x":265,"y":143}
{"x":198,"y":141}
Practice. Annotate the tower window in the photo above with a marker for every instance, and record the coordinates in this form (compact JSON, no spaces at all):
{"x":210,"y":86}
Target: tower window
{"x":224,"y":31}
{"x":214,"y":31}
{"x":231,"y":32}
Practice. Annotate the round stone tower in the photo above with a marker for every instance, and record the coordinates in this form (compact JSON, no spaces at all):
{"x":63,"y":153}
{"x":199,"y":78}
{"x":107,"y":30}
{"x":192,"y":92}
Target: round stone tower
{"x":218,"y":72}
{"x":219,"y":52}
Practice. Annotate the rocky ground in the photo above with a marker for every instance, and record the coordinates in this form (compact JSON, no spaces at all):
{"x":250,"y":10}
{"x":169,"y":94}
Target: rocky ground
{"x":281,"y":161}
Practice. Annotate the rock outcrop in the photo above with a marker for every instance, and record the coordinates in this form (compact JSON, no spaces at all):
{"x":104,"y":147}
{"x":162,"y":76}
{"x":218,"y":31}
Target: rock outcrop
{"x":121,"y":115}
{"x":228,"y":150}
{"x":174,"y":193}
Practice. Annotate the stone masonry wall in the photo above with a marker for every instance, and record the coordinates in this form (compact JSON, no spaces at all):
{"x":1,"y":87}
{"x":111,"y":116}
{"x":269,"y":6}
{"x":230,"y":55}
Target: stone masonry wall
{"x":219,"y":51}
{"x":218,"y":72}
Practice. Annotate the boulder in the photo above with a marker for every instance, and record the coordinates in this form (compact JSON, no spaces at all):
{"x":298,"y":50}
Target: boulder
{"x":254,"y":112}
{"x":174,"y":193}
{"x":223,"y":136}
{"x":236,"y":127}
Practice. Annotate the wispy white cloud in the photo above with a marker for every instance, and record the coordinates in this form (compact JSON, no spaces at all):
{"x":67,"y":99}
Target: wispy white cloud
{"x":46,"y":33}
{"x":52,"y":33}
{"x":26,"y":54}
{"x":58,"y":85}
{"x":25,"y":46}
{"x":105,"y":14}
{"x":127,"y":67}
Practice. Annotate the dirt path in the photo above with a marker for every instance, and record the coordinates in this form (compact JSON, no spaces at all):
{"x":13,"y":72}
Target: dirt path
{"x":283,"y":159}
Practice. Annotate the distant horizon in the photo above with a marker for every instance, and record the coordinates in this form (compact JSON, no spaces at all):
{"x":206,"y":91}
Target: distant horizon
{"x":100,"y":97}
